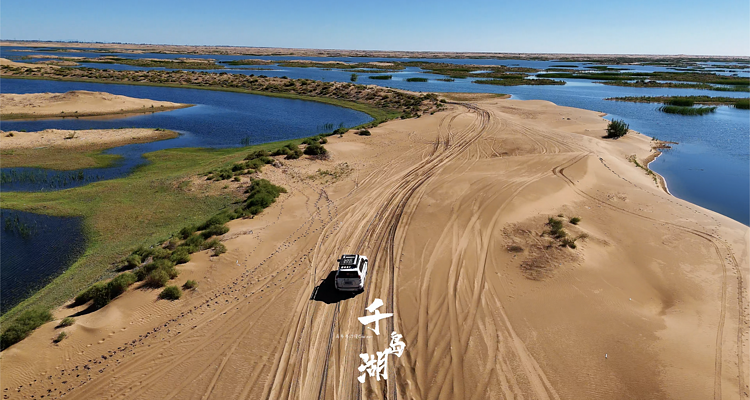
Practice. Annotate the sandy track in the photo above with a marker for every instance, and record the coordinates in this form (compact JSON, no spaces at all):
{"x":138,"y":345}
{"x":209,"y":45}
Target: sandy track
{"x":435,"y":203}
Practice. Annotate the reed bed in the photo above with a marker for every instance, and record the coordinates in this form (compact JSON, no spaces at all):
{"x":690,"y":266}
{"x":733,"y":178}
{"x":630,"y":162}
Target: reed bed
{"x":682,"y":110}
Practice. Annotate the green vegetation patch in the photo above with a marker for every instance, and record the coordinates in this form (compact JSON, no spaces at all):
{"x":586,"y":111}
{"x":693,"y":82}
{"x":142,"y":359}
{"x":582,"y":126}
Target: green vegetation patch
{"x":617,"y":128}
{"x":684,"y":110}
{"x":23,"y":325}
{"x":171,"y":293}
{"x":684,"y":101}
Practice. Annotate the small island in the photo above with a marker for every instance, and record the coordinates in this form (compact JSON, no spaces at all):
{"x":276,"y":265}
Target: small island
{"x":77,"y":103}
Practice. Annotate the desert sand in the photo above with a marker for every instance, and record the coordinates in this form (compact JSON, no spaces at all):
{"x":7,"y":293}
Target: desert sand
{"x":76,"y":103}
{"x":451,"y":211}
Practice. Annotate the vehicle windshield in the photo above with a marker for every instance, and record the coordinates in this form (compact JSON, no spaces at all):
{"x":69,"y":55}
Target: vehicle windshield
{"x":348,"y":274}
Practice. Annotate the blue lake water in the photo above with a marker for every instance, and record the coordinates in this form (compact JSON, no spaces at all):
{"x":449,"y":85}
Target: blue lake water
{"x":219,"y":119}
{"x":36,"y":249}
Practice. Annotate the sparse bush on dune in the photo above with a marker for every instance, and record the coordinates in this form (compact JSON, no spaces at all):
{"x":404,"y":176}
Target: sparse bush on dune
{"x":23,"y":325}
{"x":364,"y":132}
{"x":575,"y":220}
{"x":214,"y":230}
{"x":180,"y":255}
{"x":617,"y":128}
{"x":67,"y":321}
{"x":156,"y":279}
{"x":315,"y":149}
{"x":219,"y":249}
{"x":120,"y":284}
{"x":170,"y":293}
{"x":190,"y":284}
{"x":261,"y":194}
{"x":60,"y":337}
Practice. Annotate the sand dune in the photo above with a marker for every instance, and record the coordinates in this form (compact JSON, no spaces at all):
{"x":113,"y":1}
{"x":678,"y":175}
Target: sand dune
{"x":451,"y":210}
{"x":76,"y":103}
{"x":90,"y":138}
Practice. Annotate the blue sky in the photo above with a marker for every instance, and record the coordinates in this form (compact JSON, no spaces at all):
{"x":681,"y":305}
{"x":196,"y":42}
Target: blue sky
{"x":720,"y":27}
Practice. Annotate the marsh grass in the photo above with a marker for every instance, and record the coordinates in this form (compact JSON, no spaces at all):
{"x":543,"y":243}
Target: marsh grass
{"x":381,"y":77}
{"x":743,"y":104}
{"x":683,"y":110}
{"x":417,"y":79}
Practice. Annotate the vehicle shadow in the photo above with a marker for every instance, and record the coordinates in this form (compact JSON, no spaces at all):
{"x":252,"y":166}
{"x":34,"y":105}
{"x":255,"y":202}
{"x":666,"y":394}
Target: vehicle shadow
{"x":327,"y":293}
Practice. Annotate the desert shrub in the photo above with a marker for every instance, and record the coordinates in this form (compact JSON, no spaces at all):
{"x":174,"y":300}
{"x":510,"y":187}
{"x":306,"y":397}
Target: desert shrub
{"x":575,"y":220}
{"x":89,"y":294}
{"x":220,"y":249}
{"x":170,"y":293}
{"x":282,"y":151}
{"x":257,"y":154}
{"x":157,"y":278}
{"x":570,"y":242}
{"x":309,"y":141}
{"x":218,"y":219}
{"x":554,"y":224}
{"x":364,"y":132}
{"x":195,"y":241}
{"x":180,"y":255}
{"x":190,"y":284}
{"x":133,"y":261}
{"x":143,"y":252}
{"x":67,"y":321}
{"x":294,"y":154}
{"x":515,"y":249}
{"x":164,"y":265}
{"x":172,"y":244}
{"x":261,"y":194}
{"x":340,"y":131}
{"x":187,"y":231}
{"x":214,"y":230}
{"x":315,"y":149}
{"x":617,"y":128}
{"x":210,"y":244}
{"x":120,"y":284}
{"x":323,"y":140}
{"x":160,"y":252}
{"x":22,"y":326}
{"x":60,"y":337}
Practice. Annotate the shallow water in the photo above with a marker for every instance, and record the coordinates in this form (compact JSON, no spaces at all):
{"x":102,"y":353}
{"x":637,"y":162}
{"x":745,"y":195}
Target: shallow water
{"x":219,"y":119}
{"x":36,"y":249}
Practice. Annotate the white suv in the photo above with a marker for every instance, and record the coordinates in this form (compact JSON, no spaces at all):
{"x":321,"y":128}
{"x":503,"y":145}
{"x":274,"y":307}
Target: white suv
{"x":351,"y":273}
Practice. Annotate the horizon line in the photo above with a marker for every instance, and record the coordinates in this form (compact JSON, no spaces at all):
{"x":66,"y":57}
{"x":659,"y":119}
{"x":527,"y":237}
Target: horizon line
{"x":372,"y":50}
